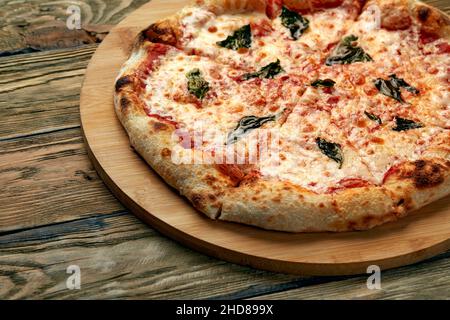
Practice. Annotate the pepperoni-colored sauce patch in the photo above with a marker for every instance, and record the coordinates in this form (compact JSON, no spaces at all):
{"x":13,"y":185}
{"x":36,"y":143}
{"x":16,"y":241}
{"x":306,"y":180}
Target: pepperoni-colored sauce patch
{"x":349,"y":183}
{"x":443,"y":48}
{"x":262,"y":28}
{"x":389,"y":173}
{"x":166,"y":119}
{"x":426,"y":38}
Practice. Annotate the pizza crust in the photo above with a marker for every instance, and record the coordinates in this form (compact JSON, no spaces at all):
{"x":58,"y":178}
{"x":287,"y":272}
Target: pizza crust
{"x":200,"y":184}
{"x":269,"y":203}
{"x":283,"y":206}
{"x":233,"y":6}
{"x":400,"y":14}
{"x":431,"y":20}
{"x":203,"y":185}
{"x":277,"y":205}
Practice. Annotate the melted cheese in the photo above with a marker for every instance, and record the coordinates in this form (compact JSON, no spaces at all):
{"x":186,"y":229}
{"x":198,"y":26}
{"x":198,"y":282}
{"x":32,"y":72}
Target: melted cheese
{"x":167,"y":95}
{"x":337,"y":115}
{"x":202,"y":36}
{"x":305,"y":165}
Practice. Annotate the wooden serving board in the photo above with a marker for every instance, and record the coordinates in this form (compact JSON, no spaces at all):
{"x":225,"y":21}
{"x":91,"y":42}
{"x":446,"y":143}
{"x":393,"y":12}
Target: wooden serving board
{"x":415,"y":238}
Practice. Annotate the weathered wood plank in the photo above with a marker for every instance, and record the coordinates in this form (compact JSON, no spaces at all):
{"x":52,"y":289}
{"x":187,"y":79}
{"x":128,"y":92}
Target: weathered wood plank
{"x":47,"y":179}
{"x":428,"y":280}
{"x":119,"y":257}
{"x":37,"y":25}
{"x":40,"y":92}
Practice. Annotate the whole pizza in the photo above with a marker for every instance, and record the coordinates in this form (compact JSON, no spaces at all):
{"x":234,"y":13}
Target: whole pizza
{"x":294,"y":115}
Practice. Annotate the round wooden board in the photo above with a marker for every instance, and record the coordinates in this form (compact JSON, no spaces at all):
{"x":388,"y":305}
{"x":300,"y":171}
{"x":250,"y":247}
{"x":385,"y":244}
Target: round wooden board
{"x":410,"y":240}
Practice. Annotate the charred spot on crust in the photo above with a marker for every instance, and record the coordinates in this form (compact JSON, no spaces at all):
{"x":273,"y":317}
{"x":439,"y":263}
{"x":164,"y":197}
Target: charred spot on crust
{"x":210,"y":179}
{"x":159,"y":126}
{"x":336,"y":207}
{"x":124,"y":103}
{"x":403,"y":205}
{"x":277,"y":199}
{"x":212,"y":197}
{"x":161,"y":32}
{"x":251,"y":177}
{"x":232,"y":171}
{"x":432,"y":21}
{"x":426,"y":174}
{"x":197,"y":200}
{"x":166,"y":152}
{"x":423,"y":13}
{"x":122,"y":82}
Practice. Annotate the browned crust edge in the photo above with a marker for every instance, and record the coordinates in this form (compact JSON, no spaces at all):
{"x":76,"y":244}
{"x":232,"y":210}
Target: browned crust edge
{"x":283,"y":206}
{"x":431,"y":19}
{"x":401,"y":14}
{"x":154,"y":140}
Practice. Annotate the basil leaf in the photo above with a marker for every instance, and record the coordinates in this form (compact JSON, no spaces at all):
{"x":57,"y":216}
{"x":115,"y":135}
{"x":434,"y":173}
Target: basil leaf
{"x":268,"y":72}
{"x":247,"y":124}
{"x":241,"y":38}
{"x":403,"y":84}
{"x":331,"y":150}
{"x":389,"y":89}
{"x":197,"y":86}
{"x":294,"y":21}
{"x":347,"y":52}
{"x":327,"y":83}
{"x":392,"y":86}
{"x":406,"y":124}
{"x":373,"y":117}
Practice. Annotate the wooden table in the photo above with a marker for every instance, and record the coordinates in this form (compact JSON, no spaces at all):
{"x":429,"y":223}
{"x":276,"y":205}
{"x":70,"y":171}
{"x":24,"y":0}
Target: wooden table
{"x":55,"y":211}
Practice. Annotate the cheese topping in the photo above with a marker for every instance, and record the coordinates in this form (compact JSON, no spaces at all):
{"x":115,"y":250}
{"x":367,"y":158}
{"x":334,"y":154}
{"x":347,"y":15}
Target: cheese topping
{"x":368,"y":130}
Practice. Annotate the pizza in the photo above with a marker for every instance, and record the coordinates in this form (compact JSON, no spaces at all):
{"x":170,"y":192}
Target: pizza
{"x":294,"y":115}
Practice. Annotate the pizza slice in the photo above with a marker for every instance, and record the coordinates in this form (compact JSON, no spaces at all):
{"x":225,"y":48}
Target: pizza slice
{"x":409,"y":44}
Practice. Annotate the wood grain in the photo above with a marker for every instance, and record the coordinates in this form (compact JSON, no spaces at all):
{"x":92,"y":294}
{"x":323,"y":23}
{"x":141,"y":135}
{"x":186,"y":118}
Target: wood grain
{"x":412,"y":239}
{"x":120,"y":258}
{"x":47,"y":179}
{"x":39,"y":25}
{"x":40,"y":92}
{"x":428,"y":280}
